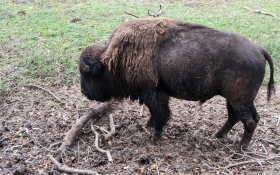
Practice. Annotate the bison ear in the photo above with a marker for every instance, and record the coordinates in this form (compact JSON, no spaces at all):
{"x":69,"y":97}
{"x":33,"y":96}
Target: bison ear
{"x":96,"y":67}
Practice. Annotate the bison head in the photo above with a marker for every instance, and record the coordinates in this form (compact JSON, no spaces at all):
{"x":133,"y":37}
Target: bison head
{"x":94,"y":84}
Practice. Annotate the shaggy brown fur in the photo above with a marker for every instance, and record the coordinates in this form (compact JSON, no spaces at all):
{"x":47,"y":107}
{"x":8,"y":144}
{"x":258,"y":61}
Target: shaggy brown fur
{"x":133,"y":46}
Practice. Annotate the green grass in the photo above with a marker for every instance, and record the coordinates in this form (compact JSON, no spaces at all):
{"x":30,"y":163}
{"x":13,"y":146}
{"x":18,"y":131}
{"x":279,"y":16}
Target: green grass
{"x":43,"y":45}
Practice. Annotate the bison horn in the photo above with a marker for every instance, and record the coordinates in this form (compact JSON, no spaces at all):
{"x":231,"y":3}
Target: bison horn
{"x":84,"y":67}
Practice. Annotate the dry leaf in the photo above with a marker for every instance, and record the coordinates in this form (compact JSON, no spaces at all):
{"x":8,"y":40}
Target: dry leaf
{"x":126,"y":167}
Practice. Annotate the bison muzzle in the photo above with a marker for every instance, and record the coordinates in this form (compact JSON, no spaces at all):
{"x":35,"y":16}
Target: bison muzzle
{"x":153,"y":59}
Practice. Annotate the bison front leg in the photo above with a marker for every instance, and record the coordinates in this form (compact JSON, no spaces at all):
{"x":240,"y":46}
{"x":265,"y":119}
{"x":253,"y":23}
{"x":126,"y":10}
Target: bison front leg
{"x":160,"y":112}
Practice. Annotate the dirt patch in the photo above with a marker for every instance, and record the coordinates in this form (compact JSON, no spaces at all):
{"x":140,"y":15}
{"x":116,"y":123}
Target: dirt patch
{"x":186,"y":147}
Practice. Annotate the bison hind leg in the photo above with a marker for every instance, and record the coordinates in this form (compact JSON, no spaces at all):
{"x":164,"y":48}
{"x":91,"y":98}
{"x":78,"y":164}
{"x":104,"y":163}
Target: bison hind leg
{"x":231,"y":121}
{"x":248,"y":115}
{"x":250,"y":119}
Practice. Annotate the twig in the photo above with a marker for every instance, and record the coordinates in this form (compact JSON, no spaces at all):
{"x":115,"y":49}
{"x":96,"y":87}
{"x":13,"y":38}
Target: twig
{"x":17,"y":146}
{"x":143,"y":127}
{"x":264,"y":149}
{"x":260,"y":12}
{"x":4,"y":139}
{"x":157,"y":166}
{"x":256,"y":140}
{"x":278,"y":120}
{"x":112,"y":127}
{"x":78,"y":151}
{"x":39,"y":87}
{"x":96,"y":144}
{"x":205,"y":164}
{"x":53,"y":144}
{"x":77,"y":116}
{"x":235,"y":138}
{"x":154,"y":13}
{"x":22,"y":130}
{"x":250,"y":161}
{"x":257,"y":154}
{"x":63,"y":152}
{"x":131,"y":14}
{"x":141,"y":111}
{"x":243,"y":155}
{"x":65,"y":168}
{"x":103,"y":130}
{"x":80,"y":123}
{"x":242,"y":163}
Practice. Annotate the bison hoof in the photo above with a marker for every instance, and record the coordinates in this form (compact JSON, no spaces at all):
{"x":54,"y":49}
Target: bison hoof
{"x":150,"y":124}
{"x":241,"y":148}
{"x":219,"y":135}
{"x":157,"y":135}
{"x":243,"y":145}
{"x":156,"y":139}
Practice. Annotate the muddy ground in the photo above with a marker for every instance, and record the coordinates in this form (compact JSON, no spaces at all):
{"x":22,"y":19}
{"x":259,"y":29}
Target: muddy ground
{"x":186,"y":148}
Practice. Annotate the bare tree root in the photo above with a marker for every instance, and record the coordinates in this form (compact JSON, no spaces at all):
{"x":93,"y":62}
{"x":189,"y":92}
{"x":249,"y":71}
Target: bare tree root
{"x":96,"y":144}
{"x":65,"y":168}
{"x":80,"y":123}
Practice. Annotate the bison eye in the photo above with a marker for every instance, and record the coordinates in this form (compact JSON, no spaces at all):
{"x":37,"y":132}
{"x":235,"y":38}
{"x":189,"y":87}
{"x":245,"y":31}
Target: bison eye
{"x":96,"y":67}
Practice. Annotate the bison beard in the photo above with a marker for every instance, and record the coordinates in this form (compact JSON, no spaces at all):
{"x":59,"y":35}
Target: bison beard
{"x":153,"y":59}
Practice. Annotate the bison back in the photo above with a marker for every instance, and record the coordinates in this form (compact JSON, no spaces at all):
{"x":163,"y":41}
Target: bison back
{"x":200,"y":63}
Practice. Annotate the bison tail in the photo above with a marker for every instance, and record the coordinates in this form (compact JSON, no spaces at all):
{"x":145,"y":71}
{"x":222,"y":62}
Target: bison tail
{"x":271,"y":88}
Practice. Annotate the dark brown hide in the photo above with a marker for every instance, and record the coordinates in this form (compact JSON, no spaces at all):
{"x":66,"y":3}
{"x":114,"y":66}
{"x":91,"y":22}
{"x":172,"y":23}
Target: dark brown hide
{"x":152,"y":59}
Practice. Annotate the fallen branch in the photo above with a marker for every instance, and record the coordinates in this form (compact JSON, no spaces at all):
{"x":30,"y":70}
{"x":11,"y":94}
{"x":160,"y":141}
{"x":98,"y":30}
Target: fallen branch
{"x":259,"y":161}
{"x":243,"y":163}
{"x":112,"y":127}
{"x":80,"y":123}
{"x":39,"y":87}
{"x":260,"y":12}
{"x":65,"y":168}
{"x":96,"y":144}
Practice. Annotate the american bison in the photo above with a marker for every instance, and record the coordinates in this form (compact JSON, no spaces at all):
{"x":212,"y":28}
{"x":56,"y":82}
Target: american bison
{"x":153,"y":59}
